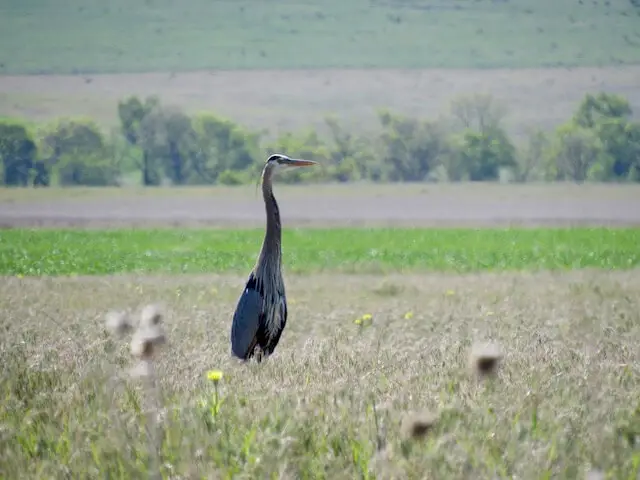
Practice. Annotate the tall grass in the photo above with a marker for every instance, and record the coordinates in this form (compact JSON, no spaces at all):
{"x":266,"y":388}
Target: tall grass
{"x":338,"y":400}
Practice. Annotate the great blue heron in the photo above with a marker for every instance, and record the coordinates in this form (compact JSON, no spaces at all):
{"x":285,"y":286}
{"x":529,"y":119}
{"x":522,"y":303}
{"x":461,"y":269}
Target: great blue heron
{"x":261,"y":313}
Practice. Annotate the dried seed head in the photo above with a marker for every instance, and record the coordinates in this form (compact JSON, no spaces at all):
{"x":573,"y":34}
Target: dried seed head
{"x":154,"y":335}
{"x":140,"y":347}
{"x":485,"y":358}
{"x":118,"y":323}
{"x":418,"y":424}
{"x":149,"y":334}
{"x":151,"y":315}
{"x":145,"y":340}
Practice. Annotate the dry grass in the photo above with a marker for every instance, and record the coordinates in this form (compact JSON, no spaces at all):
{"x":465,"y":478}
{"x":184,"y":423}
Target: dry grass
{"x":564,"y":400}
{"x":326,"y":205}
{"x":289,"y":100}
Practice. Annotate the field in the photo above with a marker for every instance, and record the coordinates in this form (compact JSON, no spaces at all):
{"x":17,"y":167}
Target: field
{"x":65,"y":252}
{"x":390,"y":288}
{"x":284,"y":66}
{"x":565,"y":399}
{"x":338,"y":397}
{"x":279,"y":101}
{"x":162,"y":35}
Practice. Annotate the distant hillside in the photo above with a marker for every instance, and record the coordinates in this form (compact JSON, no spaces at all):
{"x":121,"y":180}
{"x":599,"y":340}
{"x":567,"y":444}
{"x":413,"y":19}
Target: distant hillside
{"x":93,"y":36}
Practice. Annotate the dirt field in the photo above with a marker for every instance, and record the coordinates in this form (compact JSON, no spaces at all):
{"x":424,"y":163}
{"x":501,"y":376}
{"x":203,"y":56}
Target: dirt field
{"x":288,"y":100}
{"x":568,"y":380}
{"x":326,"y":205}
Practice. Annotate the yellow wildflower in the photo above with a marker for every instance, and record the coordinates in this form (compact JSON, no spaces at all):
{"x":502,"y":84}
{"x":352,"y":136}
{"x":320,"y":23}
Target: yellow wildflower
{"x":408,"y":315}
{"x":450,"y":292}
{"x":363,"y":320}
{"x":214,"y":375}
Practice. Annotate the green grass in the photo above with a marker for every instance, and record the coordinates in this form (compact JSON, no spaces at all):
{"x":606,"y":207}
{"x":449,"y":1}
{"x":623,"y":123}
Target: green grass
{"x":67,"y":252}
{"x":45,"y":36}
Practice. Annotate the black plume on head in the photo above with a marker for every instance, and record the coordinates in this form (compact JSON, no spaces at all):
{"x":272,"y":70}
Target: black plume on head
{"x":275,"y":157}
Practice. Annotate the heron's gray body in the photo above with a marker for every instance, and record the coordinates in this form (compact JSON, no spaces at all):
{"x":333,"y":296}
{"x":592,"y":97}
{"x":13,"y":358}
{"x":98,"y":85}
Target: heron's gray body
{"x":261,"y":313}
{"x":259,"y":320}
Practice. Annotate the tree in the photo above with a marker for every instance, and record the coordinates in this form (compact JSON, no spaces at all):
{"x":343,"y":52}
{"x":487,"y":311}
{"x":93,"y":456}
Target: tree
{"x":478,"y":112}
{"x":480,"y":156}
{"x":609,"y":117}
{"x":621,"y":140}
{"x":412,"y":148}
{"x":168,"y":138}
{"x":531,"y":160}
{"x":17,"y":152}
{"x":222,"y":146}
{"x":578,"y":154}
{"x":132,"y":113}
{"x":76,"y":150}
{"x":481,"y":146}
{"x":601,"y":107}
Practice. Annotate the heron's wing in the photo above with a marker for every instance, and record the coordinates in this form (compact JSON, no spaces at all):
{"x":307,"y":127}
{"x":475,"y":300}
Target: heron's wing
{"x":246,"y":320}
{"x":283,"y":310}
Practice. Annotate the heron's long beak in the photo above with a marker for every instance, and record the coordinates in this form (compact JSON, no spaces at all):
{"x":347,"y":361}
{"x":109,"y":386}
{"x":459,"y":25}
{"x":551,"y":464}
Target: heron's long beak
{"x":295,"y":162}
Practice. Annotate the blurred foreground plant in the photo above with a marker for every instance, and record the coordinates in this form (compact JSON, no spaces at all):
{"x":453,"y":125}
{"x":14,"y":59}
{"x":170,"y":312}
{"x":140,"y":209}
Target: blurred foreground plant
{"x":147,"y":337}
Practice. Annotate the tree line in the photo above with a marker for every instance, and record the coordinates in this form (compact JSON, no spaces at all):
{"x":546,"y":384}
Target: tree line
{"x":161,"y":144}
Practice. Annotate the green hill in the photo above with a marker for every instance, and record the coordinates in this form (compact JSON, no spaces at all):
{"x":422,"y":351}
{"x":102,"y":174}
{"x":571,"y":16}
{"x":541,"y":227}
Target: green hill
{"x":91,"y":36}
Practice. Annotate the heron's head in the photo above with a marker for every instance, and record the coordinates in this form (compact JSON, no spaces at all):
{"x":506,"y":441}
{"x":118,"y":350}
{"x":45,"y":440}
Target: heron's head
{"x":278,"y":160}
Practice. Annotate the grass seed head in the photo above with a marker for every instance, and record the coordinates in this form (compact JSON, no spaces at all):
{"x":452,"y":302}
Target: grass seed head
{"x":485,"y":358}
{"x":151,"y":315}
{"x":149,"y":334}
{"x":145,"y":341}
{"x":417,"y":425}
{"x":118,"y":323}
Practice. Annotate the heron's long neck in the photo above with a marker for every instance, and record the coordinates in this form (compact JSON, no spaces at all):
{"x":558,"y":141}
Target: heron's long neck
{"x":270,"y":255}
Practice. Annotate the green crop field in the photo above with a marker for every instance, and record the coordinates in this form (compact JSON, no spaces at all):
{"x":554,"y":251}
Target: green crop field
{"x":66,"y":252}
{"x":163,"y":35}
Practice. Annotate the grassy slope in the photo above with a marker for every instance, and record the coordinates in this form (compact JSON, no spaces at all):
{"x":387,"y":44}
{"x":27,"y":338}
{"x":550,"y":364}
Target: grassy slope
{"x":160,"y":35}
{"x":51,"y":252}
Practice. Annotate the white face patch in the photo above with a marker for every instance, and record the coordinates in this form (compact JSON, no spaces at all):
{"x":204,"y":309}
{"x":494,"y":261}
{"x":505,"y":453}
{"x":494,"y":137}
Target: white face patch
{"x":280,"y":165}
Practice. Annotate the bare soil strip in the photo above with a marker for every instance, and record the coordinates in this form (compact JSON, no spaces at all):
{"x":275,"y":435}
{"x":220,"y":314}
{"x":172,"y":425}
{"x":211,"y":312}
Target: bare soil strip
{"x":474,"y":206}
